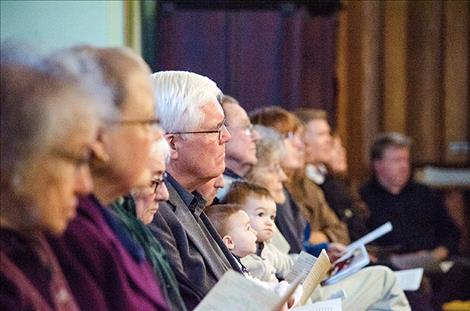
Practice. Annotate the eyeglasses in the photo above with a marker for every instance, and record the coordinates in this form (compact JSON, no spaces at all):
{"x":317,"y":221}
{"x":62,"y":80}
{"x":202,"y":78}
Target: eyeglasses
{"x":77,"y":160}
{"x":219,"y":131}
{"x":247,"y":130}
{"x":148,"y":123}
{"x":289,"y":136}
{"x":157,"y":183}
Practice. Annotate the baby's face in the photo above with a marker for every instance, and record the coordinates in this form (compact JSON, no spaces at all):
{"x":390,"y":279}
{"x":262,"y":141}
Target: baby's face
{"x":243,"y":235}
{"x":262,"y":212}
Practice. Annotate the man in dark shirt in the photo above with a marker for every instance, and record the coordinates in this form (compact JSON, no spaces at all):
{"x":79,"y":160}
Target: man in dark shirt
{"x":240,"y":154}
{"x":423,"y":233}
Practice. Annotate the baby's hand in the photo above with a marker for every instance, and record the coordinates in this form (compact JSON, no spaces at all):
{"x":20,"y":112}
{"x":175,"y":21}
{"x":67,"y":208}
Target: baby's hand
{"x":283,"y":287}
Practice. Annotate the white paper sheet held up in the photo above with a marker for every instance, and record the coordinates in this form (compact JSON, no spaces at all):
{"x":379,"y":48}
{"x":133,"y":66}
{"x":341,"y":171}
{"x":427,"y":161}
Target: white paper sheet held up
{"x":371,"y":236}
{"x":409,"y":279}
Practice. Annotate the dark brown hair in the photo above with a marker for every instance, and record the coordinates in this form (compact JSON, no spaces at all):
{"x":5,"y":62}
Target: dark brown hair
{"x":276,"y":117}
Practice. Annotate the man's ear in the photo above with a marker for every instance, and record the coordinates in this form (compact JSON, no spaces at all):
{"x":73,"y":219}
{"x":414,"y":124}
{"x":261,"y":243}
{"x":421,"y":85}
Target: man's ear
{"x":171,"y":139}
{"x":228,"y":241}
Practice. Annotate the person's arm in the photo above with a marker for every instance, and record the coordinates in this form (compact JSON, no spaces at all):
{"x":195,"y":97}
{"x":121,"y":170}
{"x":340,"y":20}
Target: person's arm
{"x":283,"y":263}
{"x":336,"y":230}
{"x":447,"y":233}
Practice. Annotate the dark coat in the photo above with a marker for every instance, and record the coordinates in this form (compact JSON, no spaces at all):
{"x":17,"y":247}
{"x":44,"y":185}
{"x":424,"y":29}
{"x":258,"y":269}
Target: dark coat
{"x":194,"y":249}
{"x":104,"y":273}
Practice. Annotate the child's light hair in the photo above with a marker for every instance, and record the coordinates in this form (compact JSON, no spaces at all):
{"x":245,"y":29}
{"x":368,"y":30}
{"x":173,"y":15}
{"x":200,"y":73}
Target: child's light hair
{"x":219,"y":215}
{"x":239,"y":192}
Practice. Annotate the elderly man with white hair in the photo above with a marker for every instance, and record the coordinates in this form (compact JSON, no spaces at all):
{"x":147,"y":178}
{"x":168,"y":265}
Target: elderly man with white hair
{"x":194,"y":122}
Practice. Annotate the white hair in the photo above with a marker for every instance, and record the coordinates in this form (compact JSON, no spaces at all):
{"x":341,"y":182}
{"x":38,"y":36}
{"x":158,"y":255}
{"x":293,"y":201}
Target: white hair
{"x":161,"y":146}
{"x":179,"y":97}
{"x":80,"y":62}
{"x":270,"y":146}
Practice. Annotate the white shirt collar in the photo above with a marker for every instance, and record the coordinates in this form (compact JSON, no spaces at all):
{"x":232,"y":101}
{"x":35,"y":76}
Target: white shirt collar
{"x":316,"y":173}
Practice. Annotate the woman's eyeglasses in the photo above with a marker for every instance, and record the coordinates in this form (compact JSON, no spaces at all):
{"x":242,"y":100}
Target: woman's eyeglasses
{"x":157,"y":183}
{"x":78,"y":160}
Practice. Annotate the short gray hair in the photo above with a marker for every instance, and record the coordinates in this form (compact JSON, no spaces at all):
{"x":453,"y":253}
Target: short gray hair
{"x":386,"y":140}
{"x":162,"y":146}
{"x":39,"y":109}
{"x":81,"y":63}
{"x":179,"y":96}
{"x":269,"y":148}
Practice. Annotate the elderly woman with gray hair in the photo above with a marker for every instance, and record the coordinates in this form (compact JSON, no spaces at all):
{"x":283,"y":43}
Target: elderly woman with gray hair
{"x":43,"y":172}
{"x":137,"y":209}
{"x":105,"y":268}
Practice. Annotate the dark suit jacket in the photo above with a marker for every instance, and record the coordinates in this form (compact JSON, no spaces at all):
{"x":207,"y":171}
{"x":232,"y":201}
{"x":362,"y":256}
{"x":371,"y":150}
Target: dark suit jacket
{"x":103,"y":274}
{"x":195,"y":251}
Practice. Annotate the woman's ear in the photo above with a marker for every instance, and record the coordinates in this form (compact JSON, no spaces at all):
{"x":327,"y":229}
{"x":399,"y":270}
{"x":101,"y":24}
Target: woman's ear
{"x":228,"y":241}
{"x":97,"y":147}
{"x":171,"y":139}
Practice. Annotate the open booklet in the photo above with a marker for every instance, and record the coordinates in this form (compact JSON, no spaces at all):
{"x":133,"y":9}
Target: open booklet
{"x":312,"y":271}
{"x":349,"y":263}
{"x":236,"y":292}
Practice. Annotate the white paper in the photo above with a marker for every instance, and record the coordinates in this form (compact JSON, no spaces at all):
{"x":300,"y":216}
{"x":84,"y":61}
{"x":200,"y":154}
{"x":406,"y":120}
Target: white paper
{"x":325,"y":305}
{"x":235,"y":292}
{"x":409,"y":279}
{"x":302,"y":266}
{"x":371,"y":236}
{"x":446,"y":265}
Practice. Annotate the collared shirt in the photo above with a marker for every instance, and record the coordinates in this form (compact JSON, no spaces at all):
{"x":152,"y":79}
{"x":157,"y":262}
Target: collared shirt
{"x":316,"y":173}
{"x":185,"y":195}
{"x":197,"y":204}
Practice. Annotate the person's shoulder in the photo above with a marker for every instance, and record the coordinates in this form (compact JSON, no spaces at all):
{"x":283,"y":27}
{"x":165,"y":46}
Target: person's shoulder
{"x":368,"y":187}
{"x":419,"y":186}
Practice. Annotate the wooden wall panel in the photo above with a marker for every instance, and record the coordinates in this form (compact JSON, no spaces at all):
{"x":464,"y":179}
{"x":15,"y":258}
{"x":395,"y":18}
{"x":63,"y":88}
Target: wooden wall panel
{"x":424,"y":88}
{"x":404,"y":66}
{"x":456,"y":110}
{"x":393,"y":117}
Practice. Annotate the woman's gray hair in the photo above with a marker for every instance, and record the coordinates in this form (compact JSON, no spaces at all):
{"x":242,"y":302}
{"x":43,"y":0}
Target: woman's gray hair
{"x":39,"y":111}
{"x":161,"y":146}
{"x":180,"y":96}
{"x":81,"y":63}
{"x":269,"y":148}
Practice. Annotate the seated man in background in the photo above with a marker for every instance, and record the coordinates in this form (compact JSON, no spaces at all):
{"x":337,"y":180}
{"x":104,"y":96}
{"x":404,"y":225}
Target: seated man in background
{"x":423,"y":233}
{"x":319,"y":152}
{"x":194,"y":122}
{"x":240,"y":153}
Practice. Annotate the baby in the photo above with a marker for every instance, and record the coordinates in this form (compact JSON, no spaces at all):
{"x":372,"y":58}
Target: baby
{"x":234,"y":226}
